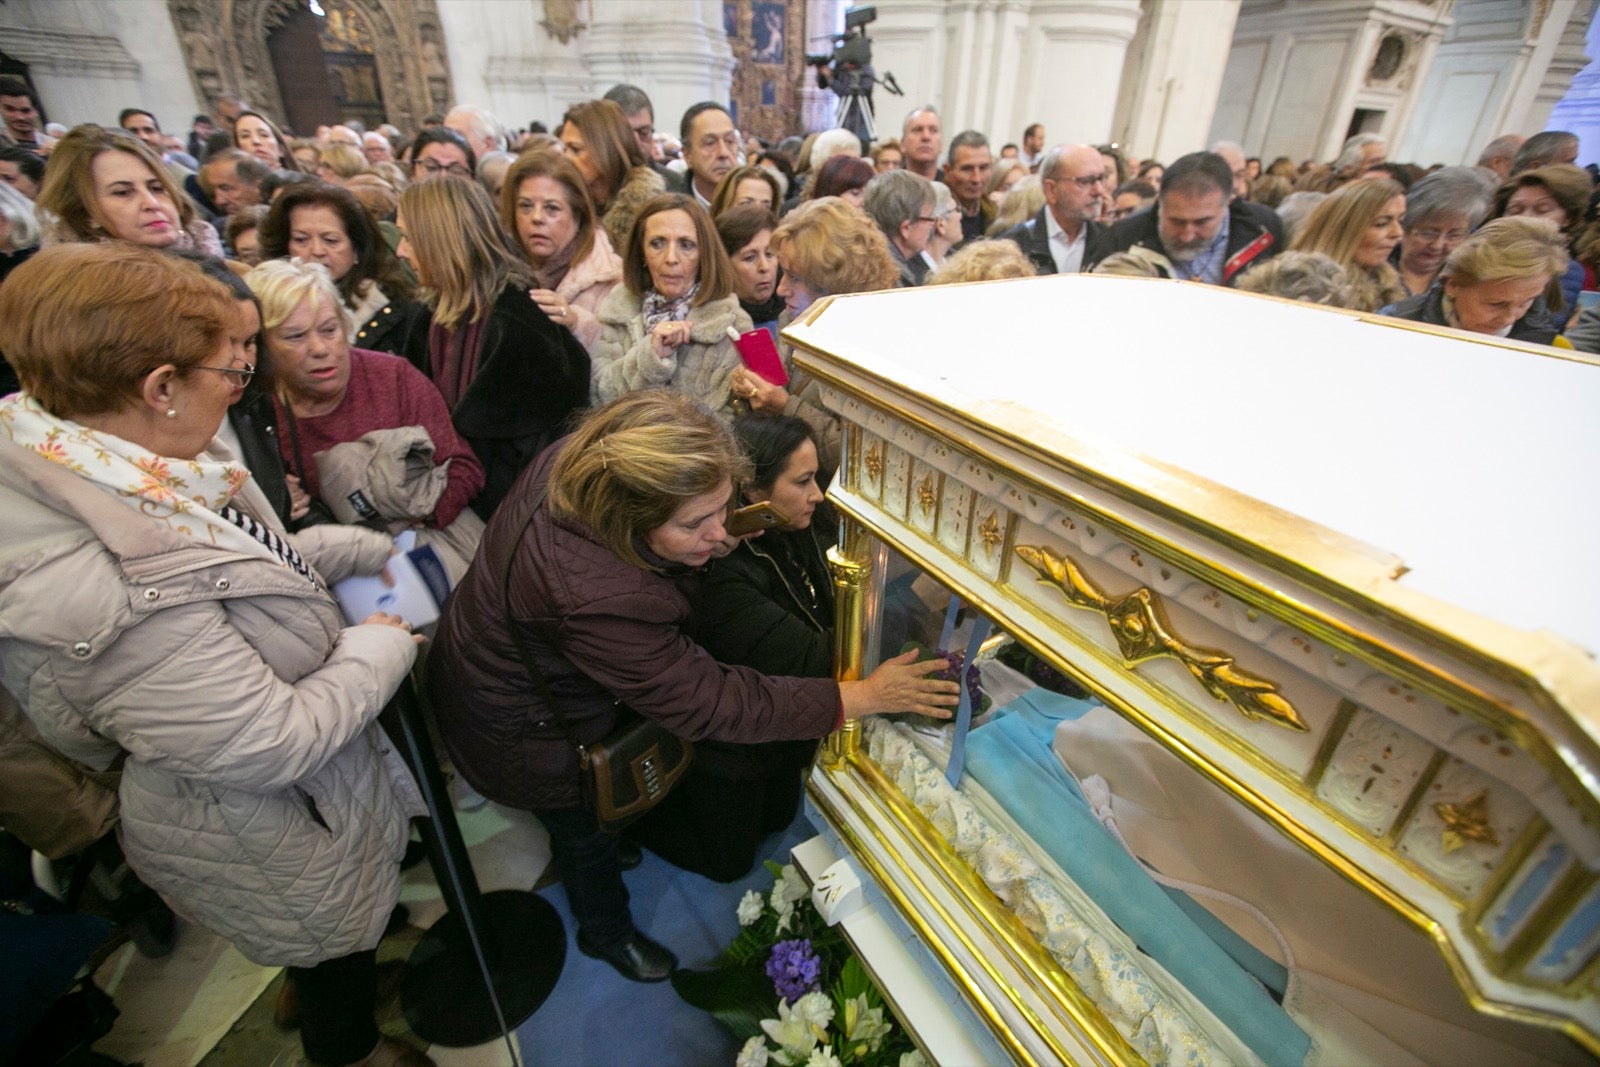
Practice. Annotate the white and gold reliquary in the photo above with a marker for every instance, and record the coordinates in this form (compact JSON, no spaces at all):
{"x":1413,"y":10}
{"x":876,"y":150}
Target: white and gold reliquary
{"x":1315,"y":774}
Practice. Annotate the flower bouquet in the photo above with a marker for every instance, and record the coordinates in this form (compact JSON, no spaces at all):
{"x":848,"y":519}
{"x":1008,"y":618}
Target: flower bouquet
{"x":791,"y":987}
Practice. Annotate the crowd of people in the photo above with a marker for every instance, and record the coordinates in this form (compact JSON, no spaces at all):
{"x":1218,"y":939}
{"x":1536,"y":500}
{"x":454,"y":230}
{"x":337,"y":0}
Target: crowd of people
{"x":239,"y":365}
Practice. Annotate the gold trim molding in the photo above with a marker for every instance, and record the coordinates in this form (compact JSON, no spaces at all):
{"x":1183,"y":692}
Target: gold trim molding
{"x":1140,"y":627}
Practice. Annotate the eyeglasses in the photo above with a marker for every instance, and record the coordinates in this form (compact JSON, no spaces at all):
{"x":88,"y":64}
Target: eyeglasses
{"x":926,"y":218}
{"x":434,"y":167}
{"x":243,"y":374}
{"x":1086,"y":182}
{"x":1431,"y":237}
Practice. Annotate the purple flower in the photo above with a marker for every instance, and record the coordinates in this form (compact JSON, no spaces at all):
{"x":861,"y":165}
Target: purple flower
{"x":794,"y":969}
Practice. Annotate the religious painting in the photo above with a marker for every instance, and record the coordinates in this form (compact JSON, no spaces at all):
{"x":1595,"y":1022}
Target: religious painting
{"x":730,"y":18}
{"x":766,"y":33}
{"x":768,"y":42}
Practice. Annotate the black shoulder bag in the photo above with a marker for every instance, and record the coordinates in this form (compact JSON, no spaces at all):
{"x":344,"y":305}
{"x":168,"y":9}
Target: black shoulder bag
{"x":628,"y":771}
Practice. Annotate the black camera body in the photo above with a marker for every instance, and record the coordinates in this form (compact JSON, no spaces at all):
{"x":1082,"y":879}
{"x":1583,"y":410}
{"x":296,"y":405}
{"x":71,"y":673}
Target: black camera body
{"x":852,"y":50}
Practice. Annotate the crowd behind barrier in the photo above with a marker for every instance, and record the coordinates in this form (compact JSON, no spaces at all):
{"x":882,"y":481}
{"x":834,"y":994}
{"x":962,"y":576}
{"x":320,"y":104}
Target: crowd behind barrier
{"x":263,"y":354}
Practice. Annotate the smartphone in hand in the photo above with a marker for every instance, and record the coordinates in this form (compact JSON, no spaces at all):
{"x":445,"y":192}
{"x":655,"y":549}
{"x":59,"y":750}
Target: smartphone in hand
{"x":759,"y":352}
{"x":748,"y":520}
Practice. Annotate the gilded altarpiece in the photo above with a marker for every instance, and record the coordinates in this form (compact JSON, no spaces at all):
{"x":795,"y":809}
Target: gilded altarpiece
{"x":768,"y":38}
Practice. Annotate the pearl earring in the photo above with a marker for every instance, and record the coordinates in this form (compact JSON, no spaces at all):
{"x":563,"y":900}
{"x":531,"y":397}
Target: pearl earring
{"x":171,"y":414}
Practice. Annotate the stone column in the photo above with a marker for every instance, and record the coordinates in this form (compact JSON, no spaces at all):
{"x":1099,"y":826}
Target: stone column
{"x":675,"y":50}
{"x":1173,"y":77}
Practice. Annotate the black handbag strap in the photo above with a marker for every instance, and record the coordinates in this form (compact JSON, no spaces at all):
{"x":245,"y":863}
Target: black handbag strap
{"x":517,"y":638}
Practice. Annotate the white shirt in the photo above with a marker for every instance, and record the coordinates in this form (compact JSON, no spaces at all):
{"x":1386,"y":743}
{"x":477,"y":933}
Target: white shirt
{"x":1067,"y":253}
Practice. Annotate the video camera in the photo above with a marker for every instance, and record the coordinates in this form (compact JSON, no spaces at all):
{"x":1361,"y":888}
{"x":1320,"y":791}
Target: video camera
{"x":852,"y":50}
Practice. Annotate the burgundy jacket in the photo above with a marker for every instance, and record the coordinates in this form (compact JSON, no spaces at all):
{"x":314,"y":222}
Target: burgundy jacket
{"x":601,"y":631}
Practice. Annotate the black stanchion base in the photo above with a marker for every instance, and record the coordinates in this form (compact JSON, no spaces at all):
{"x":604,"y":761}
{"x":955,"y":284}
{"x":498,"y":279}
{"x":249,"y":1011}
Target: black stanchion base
{"x":443,"y":998}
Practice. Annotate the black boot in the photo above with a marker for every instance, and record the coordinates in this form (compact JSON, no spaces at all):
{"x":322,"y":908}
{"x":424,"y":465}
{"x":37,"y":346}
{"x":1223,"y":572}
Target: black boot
{"x":638,"y":959}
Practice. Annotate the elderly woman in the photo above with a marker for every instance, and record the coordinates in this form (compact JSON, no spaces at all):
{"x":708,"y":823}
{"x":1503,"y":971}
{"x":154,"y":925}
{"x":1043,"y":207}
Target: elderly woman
{"x":1309,"y":277}
{"x":746,"y":185}
{"x":329,"y":394}
{"x":984,"y":261}
{"x":888,"y":156}
{"x":667,"y":325}
{"x":601,"y":144}
{"x":746,"y":234}
{"x":633,"y":503}
{"x":327,"y":225}
{"x":824,"y":248}
{"x":172,"y":625}
{"x":340,"y":162}
{"x":1441,"y":210}
{"x":1560,"y":193}
{"x":546,"y":205}
{"x":1493,"y":281}
{"x":1357,"y":226}
{"x":946,"y":229}
{"x":253,"y":132}
{"x":512,"y":377}
{"x":767,"y":605}
{"x":105,"y":186}
{"x":901,"y":203}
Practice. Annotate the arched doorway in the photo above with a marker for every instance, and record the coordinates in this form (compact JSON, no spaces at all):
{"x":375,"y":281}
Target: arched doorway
{"x":326,"y":69}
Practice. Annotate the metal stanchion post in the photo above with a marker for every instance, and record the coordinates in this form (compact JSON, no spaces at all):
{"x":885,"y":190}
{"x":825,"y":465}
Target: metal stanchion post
{"x":489,"y":963}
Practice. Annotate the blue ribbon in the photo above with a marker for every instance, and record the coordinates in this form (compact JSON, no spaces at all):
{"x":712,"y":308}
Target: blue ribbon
{"x":958,"y":741}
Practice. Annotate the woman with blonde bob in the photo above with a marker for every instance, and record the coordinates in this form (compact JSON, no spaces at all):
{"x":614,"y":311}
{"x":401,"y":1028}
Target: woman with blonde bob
{"x":667,"y":324}
{"x":984,"y":261}
{"x":1494,"y":281}
{"x":109,"y":186}
{"x":632,"y":502}
{"x":158,"y":615}
{"x":597,"y":138}
{"x":545,"y":205}
{"x":1357,"y":226}
{"x":511,"y":377}
{"x":824,"y":248}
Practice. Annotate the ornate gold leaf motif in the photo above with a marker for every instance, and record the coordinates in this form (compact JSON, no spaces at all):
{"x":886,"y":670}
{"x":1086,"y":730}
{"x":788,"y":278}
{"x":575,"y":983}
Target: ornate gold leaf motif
{"x":1140,"y":628}
{"x":926,"y":495}
{"x":1466,"y":822}
{"x":989,"y":533}
{"x":874,"y":461}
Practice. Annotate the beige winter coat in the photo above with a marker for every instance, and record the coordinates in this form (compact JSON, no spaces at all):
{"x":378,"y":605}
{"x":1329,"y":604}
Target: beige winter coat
{"x":624,"y":359}
{"x":640,"y":187}
{"x":258,"y":796}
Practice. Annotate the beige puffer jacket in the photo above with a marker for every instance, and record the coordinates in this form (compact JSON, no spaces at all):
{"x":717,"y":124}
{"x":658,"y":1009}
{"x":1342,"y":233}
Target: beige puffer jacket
{"x":258,"y":796}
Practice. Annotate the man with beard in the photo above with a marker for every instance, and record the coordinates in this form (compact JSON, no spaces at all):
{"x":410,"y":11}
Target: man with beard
{"x":1063,"y":236}
{"x":1202,"y":231}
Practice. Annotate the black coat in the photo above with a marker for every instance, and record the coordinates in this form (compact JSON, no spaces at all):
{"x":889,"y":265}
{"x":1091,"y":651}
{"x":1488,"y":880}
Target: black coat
{"x":1255,"y":234}
{"x":533,"y":376}
{"x":1537,"y":327}
{"x":389,"y":330}
{"x":1033,"y":237}
{"x":754,"y":610}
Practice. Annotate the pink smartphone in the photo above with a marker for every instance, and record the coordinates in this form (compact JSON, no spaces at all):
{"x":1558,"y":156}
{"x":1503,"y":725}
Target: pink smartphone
{"x":760,"y":353}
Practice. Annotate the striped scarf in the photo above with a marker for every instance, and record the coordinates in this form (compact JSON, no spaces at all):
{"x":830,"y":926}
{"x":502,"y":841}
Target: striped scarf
{"x":269,"y":538}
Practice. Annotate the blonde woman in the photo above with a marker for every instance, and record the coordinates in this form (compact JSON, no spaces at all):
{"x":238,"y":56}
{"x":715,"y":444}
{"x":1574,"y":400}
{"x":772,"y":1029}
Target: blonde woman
{"x":632,"y":501}
{"x":105,"y":186}
{"x":1357,"y":226}
{"x":341,"y":162}
{"x":511,"y":376}
{"x":983,"y":261}
{"x":597,"y":138}
{"x":824,"y":247}
{"x":667,"y":324}
{"x":1493,"y":282}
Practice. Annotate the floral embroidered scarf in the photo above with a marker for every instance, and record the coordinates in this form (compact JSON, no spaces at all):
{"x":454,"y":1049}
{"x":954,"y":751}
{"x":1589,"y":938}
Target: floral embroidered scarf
{"x":184,"y":495}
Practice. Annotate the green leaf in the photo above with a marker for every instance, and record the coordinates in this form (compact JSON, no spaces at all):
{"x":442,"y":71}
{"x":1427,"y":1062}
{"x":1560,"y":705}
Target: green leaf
{"x":853,"y":982}
{"x":738,"y":997}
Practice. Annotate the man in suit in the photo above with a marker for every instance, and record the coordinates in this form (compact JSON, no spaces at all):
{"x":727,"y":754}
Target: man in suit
{"x":1063,"y":238}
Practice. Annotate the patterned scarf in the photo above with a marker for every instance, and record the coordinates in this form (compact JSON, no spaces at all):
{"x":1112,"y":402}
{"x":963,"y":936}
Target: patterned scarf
{"x":188,"y":496}
{"x":658,"y":309}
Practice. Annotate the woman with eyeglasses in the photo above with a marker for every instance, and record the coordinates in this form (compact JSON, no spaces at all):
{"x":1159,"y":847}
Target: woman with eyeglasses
{"x":158,"y":616}
{"x":511,"y":376}
{"x":598,"y":140}
{"x":328,"y":393}
{"x":1441,"y":210}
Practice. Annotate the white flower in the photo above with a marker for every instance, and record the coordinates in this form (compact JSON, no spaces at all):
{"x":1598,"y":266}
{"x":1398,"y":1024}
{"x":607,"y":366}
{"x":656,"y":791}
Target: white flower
{"x":822,"y":1056}
{"x":750,"y":906}
{"x":863,"y":1025}
{"x":798,"y":1028}
{"x":754,"y":1054}
{"x":785,"y":915}
{"x":914,"y":1058}
{"x":789,"y":888}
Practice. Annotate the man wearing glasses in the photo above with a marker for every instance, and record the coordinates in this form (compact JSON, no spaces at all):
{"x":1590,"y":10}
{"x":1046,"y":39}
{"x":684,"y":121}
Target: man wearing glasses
{"x":440,"y":152}
{"x":1204,"y":233}
{"x":1063,"y":237}
{"x":710,"y":149}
